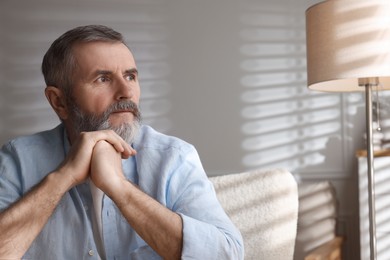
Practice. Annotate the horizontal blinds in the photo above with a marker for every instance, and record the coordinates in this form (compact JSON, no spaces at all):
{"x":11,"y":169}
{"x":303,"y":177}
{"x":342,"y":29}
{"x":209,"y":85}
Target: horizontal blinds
{"x":29,"y":27}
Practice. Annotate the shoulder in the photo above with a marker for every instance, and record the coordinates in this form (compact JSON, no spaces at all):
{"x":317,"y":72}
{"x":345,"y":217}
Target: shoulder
{"x":25,"y":160}
{"x":149,"y":138}
{"x":49,"y":138}
{"x":43,"y":145}
{"x":165,"y":161}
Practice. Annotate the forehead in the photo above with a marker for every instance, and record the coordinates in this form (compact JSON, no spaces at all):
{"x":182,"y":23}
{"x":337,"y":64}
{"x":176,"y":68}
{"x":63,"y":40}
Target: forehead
{"x":103,"y":55}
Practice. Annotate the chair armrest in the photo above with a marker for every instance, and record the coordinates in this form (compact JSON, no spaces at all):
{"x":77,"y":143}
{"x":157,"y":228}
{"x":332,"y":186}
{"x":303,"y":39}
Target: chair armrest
{"x":329,"y":251}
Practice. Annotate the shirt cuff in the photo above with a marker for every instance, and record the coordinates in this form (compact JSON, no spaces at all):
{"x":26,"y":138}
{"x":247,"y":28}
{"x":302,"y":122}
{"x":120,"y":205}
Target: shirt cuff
{"x":205,"y":241}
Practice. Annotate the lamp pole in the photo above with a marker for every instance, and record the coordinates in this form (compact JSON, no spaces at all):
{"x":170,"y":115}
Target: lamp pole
{"x":368,"y":83}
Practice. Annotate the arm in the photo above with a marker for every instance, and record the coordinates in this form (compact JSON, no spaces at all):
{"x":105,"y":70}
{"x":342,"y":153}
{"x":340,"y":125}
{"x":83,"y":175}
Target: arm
{"x":21,"y":222}
{"x":158,"y":226}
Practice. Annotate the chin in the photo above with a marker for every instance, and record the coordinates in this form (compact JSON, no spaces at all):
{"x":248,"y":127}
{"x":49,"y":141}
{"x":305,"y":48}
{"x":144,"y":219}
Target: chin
{"x":118,"y":119}
{"x":128,"y":131}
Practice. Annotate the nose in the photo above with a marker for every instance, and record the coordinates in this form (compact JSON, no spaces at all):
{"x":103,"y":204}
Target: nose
{"x":124,"y":89}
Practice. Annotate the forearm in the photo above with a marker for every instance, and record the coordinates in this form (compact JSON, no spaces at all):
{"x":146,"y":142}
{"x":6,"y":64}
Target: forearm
{"x":22,"y":221}
{"x":158,"y":226}
{"x":161,"y":228}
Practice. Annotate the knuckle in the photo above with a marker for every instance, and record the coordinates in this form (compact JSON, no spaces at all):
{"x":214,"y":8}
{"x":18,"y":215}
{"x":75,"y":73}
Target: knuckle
{"x":83,"y":134}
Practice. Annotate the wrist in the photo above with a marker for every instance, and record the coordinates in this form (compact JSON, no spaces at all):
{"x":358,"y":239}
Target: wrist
{"x":61,"y":180}
{"x":121,"y":193}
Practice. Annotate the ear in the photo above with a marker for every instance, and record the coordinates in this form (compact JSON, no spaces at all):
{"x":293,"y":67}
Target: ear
{"x":56,"y":98}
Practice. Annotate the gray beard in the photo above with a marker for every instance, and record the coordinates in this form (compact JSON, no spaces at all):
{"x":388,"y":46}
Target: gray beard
{"x":84,"y":122}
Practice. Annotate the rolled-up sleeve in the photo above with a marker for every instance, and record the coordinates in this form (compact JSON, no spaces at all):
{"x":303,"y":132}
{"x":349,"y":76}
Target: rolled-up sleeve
{"x":204,"y":241}
{"x":208,"y":232}
{"x":10,"y":183}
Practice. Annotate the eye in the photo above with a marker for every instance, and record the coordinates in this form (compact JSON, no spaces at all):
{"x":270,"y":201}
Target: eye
{"x":131,"y":77}
{"x":103,"y":79}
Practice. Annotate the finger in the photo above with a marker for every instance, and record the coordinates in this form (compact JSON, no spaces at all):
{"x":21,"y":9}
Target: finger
{"x":118,"y":143}
{"x":127,"y":155}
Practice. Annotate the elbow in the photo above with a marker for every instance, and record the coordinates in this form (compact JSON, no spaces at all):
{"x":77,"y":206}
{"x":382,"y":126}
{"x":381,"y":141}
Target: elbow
{"x":236,"y":248}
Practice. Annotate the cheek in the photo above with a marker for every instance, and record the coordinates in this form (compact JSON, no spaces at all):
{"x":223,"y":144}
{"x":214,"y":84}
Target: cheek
{"x":101,"y":105}
{"x":137,"y":95}
{"x":95,"y":104}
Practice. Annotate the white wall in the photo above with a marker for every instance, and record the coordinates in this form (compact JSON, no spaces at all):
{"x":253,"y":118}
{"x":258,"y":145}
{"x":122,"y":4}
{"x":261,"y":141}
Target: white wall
{"x":228,"y":76}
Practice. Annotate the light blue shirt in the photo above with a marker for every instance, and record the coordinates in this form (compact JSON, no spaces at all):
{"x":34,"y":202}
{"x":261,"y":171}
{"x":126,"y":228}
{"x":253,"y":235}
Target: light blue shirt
{"x":166,"y":168}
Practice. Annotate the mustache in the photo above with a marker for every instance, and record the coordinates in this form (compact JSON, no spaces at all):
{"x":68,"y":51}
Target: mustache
{"x":124,"y":105}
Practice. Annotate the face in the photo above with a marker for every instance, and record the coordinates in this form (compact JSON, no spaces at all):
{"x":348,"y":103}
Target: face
{"x":106,"y":92}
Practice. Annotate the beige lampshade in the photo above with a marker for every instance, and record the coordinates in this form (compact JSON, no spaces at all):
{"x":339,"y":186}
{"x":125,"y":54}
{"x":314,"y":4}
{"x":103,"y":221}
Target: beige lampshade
{"x":347,"y":40}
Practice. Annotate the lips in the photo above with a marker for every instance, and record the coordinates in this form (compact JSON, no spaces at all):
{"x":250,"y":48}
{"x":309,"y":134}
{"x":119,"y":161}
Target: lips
{"x":123,"y":111}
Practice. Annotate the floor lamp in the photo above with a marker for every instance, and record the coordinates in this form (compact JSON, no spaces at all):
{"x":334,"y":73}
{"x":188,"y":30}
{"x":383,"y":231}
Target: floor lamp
{"x":348,"y":49}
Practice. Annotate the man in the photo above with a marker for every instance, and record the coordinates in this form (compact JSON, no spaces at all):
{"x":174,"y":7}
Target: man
{"x":101,"y":185}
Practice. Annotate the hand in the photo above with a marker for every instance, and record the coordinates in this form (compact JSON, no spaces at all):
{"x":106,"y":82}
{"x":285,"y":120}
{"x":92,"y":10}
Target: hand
{"x":78,"y":161}
{"x":106,"y":168}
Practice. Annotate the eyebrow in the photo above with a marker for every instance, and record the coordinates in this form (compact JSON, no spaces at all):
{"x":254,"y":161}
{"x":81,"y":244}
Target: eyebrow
{"x":108,"y":72}
{"x":132,"y":71}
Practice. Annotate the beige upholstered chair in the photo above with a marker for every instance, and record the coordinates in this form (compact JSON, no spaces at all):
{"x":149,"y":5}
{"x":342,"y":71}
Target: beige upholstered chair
{"x":263,"y":204}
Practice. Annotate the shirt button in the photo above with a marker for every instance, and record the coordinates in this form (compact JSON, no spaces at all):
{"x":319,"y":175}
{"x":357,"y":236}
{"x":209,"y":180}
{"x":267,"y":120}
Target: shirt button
{"x":90,"y":252}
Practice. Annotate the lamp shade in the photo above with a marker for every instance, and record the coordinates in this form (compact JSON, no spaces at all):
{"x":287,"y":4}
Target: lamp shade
{"x":348,"y":40}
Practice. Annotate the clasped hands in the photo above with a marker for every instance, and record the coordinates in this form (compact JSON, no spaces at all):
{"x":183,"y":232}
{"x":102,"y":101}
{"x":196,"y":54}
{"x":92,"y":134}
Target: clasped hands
{"x":97,"y":155}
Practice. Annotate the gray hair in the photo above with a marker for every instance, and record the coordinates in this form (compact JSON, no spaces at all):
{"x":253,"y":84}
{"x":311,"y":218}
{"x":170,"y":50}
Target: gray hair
{"x":59,"y":63}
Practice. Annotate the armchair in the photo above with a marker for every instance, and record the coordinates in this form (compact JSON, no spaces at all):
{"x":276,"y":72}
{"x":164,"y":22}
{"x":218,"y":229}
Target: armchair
{"x":264,"y":206}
